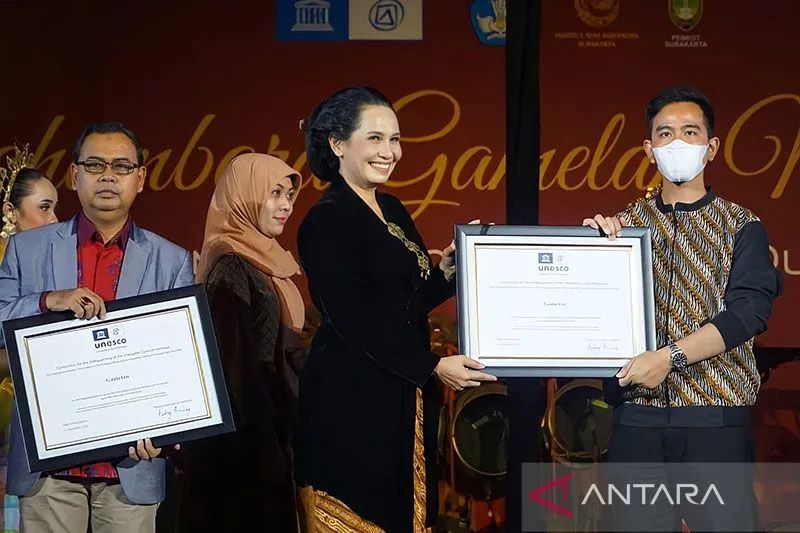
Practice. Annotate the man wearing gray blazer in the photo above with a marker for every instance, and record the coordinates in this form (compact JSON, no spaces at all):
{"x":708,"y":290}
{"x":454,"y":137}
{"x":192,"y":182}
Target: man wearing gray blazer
{"x":97,"y":256}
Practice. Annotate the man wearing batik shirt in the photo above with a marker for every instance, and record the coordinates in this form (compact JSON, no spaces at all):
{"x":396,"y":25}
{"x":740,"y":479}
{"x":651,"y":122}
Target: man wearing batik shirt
{"x":688,"y":401}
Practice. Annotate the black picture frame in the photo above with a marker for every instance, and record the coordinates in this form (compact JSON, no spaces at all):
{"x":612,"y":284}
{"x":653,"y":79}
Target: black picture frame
{"x":37,"y":463}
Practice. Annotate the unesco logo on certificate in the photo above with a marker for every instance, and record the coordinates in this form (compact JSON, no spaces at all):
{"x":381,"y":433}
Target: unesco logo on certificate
{"x":549,"y":262}
{"x":108,"y":337}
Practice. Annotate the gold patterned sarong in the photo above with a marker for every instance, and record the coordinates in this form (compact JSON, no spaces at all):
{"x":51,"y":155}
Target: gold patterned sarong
{"x":319,"y":512}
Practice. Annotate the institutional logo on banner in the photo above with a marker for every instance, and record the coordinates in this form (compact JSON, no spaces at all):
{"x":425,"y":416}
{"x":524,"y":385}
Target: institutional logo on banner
{"x":489,"y":21}
{"x":597,"y":13}
{"x":685,"y":14}
{"x":600,"y":16}
{"x":311,"y":20}
{"x":386,"y":20}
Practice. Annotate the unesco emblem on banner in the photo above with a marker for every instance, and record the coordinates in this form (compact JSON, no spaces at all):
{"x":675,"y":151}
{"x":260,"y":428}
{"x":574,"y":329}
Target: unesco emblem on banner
{"x":685,"y":14}
{"x":100,"y":334}
{"x":597,"y":13}
{"x":312,"y":15}
{"x":545,"y":258}
{"x":386,"y":15}
{"x":310,"y":20}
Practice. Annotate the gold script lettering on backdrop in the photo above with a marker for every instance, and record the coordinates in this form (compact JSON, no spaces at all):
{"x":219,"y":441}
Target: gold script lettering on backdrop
{"x":478,"y":167}
{"x":794,"y":154}
{"x":781,"y":260}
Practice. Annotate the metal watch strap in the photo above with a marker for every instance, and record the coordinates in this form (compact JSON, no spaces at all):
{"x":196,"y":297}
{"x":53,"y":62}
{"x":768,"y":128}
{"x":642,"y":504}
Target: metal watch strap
{"x":679,"y":360}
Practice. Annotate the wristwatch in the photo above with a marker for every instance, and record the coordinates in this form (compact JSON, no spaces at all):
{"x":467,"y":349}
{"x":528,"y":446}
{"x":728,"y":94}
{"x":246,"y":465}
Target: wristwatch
{"x":679,"y":360}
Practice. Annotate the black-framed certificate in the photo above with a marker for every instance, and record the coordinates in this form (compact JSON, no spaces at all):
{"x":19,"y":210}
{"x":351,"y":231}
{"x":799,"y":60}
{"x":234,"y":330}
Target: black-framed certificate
{"x":554,"y":301}
{"x":87,"y":390}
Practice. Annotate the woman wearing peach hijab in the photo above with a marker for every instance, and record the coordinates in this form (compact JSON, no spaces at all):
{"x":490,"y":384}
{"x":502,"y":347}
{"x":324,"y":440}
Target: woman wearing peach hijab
{"x":243,"y":481}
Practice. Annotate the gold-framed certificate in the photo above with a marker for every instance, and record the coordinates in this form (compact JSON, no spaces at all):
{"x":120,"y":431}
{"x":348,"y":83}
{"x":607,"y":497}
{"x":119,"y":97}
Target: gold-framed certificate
{"x":87,"y":390}
{"x":554,"y":300}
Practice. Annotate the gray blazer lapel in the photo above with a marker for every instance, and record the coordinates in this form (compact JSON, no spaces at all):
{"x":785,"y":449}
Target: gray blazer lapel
{"x":64,"y":257}
{"x":134,"y":264}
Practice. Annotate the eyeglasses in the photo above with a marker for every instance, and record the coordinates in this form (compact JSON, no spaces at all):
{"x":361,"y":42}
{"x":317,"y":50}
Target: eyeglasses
{"x":121,"y":167}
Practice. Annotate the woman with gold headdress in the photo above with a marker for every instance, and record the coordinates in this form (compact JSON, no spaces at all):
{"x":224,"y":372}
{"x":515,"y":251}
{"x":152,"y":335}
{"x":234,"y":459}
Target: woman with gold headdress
{"x":29,"y":198}
{"x":29,"y":201}
{"x":258,"y":314}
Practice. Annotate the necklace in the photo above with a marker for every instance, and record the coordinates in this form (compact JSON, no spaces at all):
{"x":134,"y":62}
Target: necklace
{"x":422,"y":259}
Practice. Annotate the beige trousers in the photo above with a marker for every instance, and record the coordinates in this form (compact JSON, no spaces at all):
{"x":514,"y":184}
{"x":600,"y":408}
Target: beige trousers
{"x":65,"y":506}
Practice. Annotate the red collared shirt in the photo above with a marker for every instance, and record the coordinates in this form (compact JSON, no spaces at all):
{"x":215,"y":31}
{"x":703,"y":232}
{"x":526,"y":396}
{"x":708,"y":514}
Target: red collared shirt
{"x":99,"y":267}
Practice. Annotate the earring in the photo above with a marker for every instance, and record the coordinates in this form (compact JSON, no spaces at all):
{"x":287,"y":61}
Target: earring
{"x":9,"y":225}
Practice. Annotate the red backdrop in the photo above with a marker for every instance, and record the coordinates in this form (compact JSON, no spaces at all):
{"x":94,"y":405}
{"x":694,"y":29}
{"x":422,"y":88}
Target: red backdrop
{"x":601,"y":60}
{"x":200,"y":85}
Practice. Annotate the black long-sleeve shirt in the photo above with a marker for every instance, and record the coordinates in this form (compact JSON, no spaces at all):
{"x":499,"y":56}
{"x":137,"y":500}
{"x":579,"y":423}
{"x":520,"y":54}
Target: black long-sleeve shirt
{"x":752,"y":286}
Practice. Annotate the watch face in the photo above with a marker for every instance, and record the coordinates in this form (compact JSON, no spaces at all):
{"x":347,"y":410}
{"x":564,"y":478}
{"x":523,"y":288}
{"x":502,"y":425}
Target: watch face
{"x":679,"y":360}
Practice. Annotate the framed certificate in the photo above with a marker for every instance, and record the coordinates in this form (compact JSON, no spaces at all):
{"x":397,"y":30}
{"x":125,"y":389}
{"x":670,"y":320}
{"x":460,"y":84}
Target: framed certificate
{"x":87,"y":390}
{"x":554,"y":301}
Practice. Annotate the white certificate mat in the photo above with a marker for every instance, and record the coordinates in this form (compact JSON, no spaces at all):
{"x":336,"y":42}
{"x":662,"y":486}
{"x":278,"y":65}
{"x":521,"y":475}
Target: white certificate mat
{"x":147,"y":370}
{"x":554,"y":301}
